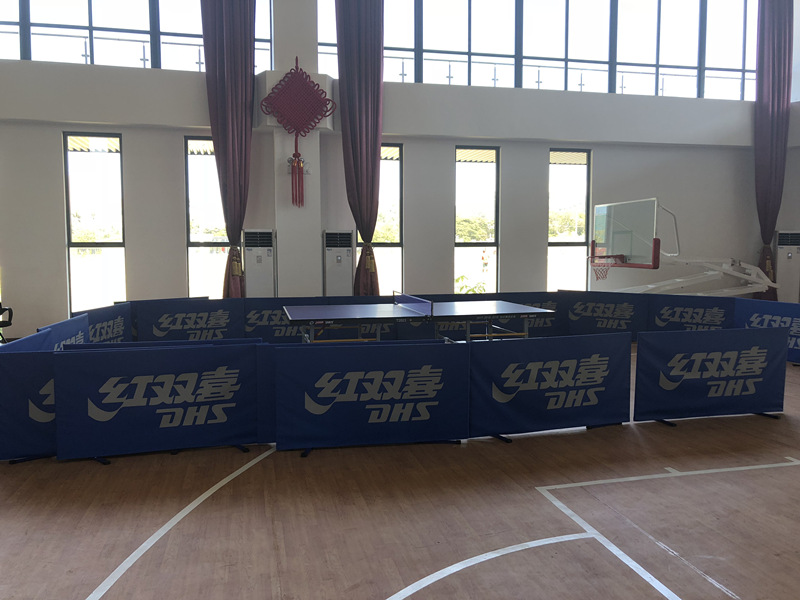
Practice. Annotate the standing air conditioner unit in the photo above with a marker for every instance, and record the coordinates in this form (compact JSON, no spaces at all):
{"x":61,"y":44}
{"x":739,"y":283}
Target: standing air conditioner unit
{"x":787,"y":265}
{"x":338,"y":257}
{"x":260,"y":263}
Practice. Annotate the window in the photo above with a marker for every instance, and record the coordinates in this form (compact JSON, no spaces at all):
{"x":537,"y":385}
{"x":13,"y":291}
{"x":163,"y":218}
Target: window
{"x":103,"y":32}
{"x":387,"y":239}
{"x":731,"y":49}
{"x":691,"y":48}
{"x":678,"y":49}
{"x":9,"y":31}
{"x":328,"y":60}
{"x":477,"y":192}
{"x":468,"y":42}
{"x":95,"y":233}
{"x":205,"y":222}
{"x":399,"y":59}
{"x":135,"y":33}
{"x":181,"y":35}
{"x":567,"y":242}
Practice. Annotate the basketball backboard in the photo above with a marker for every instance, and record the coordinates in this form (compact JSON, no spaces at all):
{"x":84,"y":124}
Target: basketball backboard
{"x":624,"y":235}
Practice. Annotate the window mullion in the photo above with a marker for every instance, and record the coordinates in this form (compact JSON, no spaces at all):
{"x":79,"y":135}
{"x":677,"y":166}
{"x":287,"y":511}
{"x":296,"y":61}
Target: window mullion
{"x":519,"y":7}
{"x":613,"y":22}
{"x":701,"y":50}
{"x":155,"y":35}
{"x":418,"y":20}
{"x":24,"y":30}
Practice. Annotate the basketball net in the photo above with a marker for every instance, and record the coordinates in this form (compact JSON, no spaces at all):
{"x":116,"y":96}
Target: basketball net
{"x":602,"y":264}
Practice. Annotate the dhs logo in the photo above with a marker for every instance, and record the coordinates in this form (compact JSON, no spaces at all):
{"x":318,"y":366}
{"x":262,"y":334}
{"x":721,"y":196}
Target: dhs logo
{"x":46,"y":412}
{"x":727,"y":374}
{"x":570,"y":383}
{"x":184,"y":399}
{"x":387,"y":396}
{"x":692,"y":318}
{"x":273,"y":318}
{"x":108,"y":331}
{"x":759,"y":321}
{"x":544,"y":320}
{"x":200,"y":325}
{"x":605,"y":315}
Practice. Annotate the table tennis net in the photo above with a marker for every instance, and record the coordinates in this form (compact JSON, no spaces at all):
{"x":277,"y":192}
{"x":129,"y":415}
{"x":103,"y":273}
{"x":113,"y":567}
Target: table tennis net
{"x":420,"y":305}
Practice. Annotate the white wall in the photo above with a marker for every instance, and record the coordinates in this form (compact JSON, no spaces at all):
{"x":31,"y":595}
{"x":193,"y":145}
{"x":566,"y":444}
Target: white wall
{"x":154,"y":204}
{"x":695,"y":155}
{"x":33,"y":260}
{"x":522,"y":257}
{"x":429,"y":188}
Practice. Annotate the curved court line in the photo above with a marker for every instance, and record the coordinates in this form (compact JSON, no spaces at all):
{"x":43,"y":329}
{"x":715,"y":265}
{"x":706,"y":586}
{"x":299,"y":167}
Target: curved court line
{"x":150,"y":542}
{"x":460,"y":566}
{"x":590,"y":532}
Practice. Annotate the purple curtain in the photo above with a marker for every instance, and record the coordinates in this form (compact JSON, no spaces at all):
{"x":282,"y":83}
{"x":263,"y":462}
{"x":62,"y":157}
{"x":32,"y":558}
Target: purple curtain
{"x":229,"y":43}
{"x":771,"y":120}
{"x":359,"y":30}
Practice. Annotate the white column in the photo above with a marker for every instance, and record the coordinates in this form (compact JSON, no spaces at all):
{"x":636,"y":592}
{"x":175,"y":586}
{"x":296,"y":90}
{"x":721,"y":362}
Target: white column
{"x":298,"y":229}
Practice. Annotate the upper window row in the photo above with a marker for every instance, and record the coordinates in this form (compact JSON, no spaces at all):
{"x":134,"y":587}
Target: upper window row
{"x":165,"y":34}
{"x":688,"y":48}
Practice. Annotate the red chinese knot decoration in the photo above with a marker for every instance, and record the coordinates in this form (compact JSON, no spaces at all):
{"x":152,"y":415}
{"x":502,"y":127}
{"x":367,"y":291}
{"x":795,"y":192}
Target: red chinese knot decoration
{"x":299,"y":104}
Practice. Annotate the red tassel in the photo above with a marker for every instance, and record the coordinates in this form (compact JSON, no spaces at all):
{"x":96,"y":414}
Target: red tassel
{"x":300,"y":179}
{"x":297,"y":180}
{"x":297,"y":174}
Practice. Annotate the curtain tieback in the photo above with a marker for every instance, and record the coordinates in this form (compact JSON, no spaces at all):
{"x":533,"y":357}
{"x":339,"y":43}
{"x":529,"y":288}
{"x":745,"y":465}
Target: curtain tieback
{"x":769,"y":265}
{"x":236,"y":262}
{"x":369,"y":258}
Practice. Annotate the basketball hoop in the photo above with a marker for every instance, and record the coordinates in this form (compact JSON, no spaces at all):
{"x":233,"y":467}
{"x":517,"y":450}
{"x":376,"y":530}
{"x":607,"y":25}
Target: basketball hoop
{"x":601,"y":264}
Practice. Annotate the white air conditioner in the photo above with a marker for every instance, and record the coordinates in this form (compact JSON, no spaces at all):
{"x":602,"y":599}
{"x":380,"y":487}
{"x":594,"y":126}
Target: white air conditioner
{"x":338,"y":257}
{"x":260,"y":263}
{"x":787,"y":265}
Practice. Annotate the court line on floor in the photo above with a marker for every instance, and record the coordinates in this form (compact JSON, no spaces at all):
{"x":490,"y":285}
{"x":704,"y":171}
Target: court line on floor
{"x":671,"y":472}
{"x":675,"y":554}
{"x":100,"y":591}
{"x":455,"y":568}
{"x":589,"y":532}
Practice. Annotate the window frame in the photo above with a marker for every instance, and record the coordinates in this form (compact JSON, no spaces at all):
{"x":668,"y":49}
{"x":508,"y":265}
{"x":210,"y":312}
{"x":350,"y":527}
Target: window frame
{"x":483,"y":244}
{"x":188,"y":232}
{"x":68,"y":205}
{"x":570,"y":64}
{"x":587,"y":207}
{"x":89,"y":33}
{"x":360,"y":242}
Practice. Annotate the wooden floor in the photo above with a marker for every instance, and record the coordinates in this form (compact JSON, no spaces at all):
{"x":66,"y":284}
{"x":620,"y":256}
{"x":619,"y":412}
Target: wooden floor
{"x":706,"y":510}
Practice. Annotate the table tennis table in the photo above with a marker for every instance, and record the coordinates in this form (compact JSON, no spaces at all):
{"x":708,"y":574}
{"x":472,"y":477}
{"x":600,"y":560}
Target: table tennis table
{"x":407,"y":308}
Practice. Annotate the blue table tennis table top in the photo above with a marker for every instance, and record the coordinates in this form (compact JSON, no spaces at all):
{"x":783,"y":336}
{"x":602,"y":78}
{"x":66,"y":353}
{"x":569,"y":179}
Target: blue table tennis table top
{"x":472,"y":310}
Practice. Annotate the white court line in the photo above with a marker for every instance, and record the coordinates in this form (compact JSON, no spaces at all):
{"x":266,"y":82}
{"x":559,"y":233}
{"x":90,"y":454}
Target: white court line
{"x":447,"y":571}
{"x":150,"y":542}
{"x":671,"y":472}
{"x":545,"y":490}
{"x":591,"y":532}
{"x":636,"y":567}
{"x":708,"y":578}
